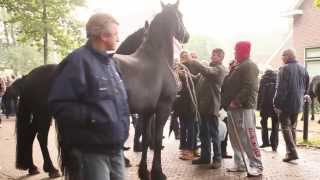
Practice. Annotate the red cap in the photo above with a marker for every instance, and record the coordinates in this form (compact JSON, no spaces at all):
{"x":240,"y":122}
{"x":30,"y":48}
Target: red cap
{"x":242,"y":51}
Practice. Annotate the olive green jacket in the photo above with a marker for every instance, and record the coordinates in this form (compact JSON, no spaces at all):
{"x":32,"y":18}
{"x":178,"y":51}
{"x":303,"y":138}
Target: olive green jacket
{"x":209,"y":87}
{"x":241,"y":86}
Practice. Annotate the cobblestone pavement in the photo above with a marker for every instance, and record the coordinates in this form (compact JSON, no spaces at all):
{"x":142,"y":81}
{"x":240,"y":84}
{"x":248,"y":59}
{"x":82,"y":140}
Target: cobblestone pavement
{"x":307,"y":167}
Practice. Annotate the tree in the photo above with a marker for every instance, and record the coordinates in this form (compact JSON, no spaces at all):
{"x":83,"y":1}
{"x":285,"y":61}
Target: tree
{"x":201,"y":45}
{"x":19,"y":59}
{"x":42,"y":21}
{"x":317,"y":3}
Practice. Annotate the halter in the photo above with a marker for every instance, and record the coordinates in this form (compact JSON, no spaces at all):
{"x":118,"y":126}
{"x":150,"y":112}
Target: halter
{"x":180,"y":27}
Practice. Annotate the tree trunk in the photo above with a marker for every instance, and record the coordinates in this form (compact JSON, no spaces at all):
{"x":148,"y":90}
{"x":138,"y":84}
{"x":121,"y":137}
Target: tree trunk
{"x":6,"y":34}
{"x":12,"y":34}
{"x":45,"y":35}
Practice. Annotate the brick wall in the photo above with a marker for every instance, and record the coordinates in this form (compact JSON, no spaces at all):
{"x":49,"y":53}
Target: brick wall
{"x":306,"y":30}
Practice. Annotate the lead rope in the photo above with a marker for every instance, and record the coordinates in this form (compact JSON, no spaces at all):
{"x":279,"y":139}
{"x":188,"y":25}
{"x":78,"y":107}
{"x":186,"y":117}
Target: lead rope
{"x":191,"y":89}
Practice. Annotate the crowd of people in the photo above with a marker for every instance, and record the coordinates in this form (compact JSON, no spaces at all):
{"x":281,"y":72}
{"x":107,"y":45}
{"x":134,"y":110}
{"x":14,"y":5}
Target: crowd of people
{"x":279,"y":96}
{"x":8,"y":104}
{"x":85,"y":102}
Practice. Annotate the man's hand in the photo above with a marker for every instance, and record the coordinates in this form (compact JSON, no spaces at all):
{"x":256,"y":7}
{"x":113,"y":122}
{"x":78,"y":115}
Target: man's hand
{"x":307,"y":98}
{"x":234,"y":104}
{"x":278,"y":111}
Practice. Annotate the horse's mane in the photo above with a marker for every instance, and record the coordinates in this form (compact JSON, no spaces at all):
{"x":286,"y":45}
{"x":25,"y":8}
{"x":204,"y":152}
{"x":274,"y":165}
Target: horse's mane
{"x":131,"y":43}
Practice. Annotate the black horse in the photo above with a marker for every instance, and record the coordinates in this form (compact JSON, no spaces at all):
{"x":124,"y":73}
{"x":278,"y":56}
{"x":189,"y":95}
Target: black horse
{"x":33,"y":118}
{"x":314,"y":92}
{"x":150,"y":81}
{"x":147,"y":74}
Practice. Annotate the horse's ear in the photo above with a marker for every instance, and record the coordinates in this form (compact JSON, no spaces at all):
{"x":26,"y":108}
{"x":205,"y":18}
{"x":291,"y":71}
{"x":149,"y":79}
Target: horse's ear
{"x":146,"y":25}
{"x":162,"y":4}
{"x":177,"y":4}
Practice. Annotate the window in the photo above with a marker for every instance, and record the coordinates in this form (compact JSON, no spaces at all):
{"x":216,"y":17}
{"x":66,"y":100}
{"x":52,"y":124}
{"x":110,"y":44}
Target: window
{"x":312,"y":60}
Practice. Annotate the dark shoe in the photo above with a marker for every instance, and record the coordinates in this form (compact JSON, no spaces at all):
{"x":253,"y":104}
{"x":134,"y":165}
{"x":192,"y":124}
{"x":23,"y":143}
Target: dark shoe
{"x":253,"y":175}
{"x":236,"y":169}
{"x":274,"y":149}
{"x":289,"y":158}
{"x":33,"y":170}
{"x":216,"y":164}
{"x":201,"y":161}
{"x":226,"y":156}
{"x":264,"y":145}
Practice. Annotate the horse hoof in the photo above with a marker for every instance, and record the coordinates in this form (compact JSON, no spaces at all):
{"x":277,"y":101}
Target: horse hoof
{"x":144,"y":174}
{"x":54,"y":174}
{"x":158,"y":175}
{"x":33,"y":171}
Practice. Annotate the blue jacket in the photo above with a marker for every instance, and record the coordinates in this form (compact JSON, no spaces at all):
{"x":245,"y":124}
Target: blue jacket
{"x":89,"y":101}
{"x":292,"y":84}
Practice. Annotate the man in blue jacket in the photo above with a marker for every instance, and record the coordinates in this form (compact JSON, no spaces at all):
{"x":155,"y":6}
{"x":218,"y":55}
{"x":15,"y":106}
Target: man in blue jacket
{"x":89,"y":102}
{"x":292,"y":84}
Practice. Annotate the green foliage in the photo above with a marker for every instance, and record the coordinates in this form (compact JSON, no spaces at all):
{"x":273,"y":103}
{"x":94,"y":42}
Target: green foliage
{"x":35,"y":18}
{"x":20,"y":59}
{"x":201,"y":45}
{"x":317,"y":3}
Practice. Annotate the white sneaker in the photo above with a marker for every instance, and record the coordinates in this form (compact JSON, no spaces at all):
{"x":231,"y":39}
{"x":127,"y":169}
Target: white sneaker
{"x":254,"y":173}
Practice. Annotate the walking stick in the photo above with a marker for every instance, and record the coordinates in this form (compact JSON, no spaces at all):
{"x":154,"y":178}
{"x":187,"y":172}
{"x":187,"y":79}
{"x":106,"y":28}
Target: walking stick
{"x":234,"y":128}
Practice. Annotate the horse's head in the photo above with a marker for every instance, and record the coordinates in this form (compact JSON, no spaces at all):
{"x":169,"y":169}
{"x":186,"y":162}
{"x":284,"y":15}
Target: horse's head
{"x":16,"y":88}
{"x":173,"y":16}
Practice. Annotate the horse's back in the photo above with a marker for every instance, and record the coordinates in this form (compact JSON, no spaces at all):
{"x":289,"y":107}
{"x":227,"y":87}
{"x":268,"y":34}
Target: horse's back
{"x":37,"y":84}
{"x":142,"y":79}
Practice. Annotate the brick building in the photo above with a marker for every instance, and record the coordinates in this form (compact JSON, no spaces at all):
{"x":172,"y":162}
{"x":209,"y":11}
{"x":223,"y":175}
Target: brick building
{"x":304,"y":36}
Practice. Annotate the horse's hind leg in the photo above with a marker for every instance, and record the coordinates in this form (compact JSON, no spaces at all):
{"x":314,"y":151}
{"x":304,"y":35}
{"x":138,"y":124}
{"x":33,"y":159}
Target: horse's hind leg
{"x":32,"y":168}
{"x":44,"y":122}
{"x":312,"y":108}
{"x":161,"y":119}
{"x":143,"y":167}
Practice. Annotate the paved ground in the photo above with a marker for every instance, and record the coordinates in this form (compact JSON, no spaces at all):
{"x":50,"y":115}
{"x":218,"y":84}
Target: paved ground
{"x":307,"y":167}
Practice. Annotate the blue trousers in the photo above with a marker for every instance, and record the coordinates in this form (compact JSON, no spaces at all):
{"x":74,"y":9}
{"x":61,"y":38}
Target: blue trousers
{"x":209,"y":133}
{"x":92,"y":166}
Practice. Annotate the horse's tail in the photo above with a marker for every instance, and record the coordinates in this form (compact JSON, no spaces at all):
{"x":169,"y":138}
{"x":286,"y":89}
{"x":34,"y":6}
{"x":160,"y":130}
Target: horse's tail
{"x":25,"y":134}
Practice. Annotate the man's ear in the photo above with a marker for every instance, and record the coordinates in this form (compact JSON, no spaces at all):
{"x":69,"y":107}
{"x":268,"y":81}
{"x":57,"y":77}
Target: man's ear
{"x":104,"y":36}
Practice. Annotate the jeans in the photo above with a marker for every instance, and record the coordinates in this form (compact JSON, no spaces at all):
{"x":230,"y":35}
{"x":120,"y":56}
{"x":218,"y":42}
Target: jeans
{"x":186,"y":132}
{"x":92,"y":166}
{"x":209,"y":132}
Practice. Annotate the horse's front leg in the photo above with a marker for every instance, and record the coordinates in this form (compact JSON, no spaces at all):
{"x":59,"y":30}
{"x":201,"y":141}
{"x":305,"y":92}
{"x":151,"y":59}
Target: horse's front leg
{"x":143,"y":167}
{"x":162,"y":115}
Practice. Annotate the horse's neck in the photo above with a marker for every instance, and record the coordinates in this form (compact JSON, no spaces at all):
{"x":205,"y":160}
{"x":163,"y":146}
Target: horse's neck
{"x":160,"y":47}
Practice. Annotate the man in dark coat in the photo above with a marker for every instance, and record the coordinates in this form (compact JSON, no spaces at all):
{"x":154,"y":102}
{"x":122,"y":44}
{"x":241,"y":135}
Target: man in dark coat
{"x":89,"y":102}
{"x":209,"y":98}
{"x":292,"y":83}
{"x":266,"y":93}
